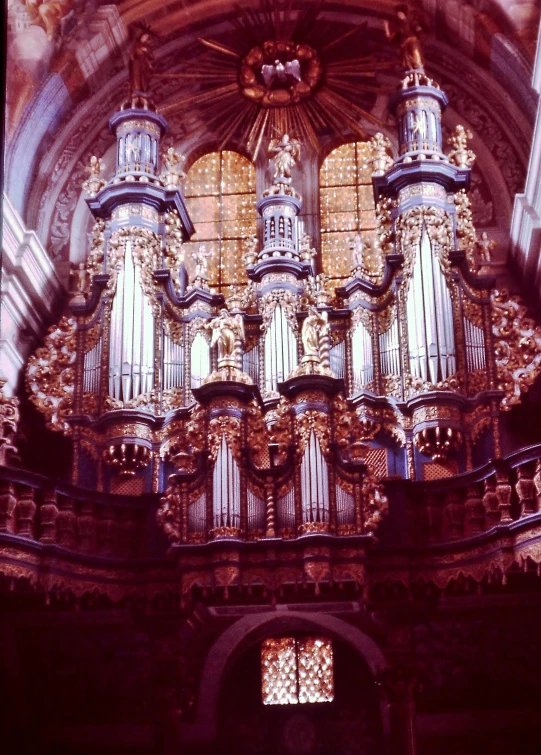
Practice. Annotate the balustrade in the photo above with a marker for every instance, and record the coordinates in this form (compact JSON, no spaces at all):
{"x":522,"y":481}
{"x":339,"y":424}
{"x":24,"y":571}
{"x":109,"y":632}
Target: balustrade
{"x":499,"y":494}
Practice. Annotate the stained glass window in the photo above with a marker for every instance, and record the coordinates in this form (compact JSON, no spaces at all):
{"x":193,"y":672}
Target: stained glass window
{"x":220,"y":197}
{"x":347,"y":207}
{"x":297,"y":671}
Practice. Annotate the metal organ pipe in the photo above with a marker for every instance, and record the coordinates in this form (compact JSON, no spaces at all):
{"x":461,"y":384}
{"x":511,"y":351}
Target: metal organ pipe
{"x":430,"y":318}
{"x":314,"y":483}
{"x":199,"y":360}
{"x":389,"y":348}
{"x":226,"y":488}
{"x":131,"y":355}
{"x":363,"y":363}
{"x":280,"y":350}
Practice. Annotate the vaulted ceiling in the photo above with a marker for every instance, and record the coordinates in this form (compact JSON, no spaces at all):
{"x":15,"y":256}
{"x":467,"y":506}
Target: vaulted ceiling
{"x":67,"y":74}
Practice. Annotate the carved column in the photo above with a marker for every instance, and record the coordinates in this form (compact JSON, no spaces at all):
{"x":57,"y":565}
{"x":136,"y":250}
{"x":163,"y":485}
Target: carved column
{"x":25,"y":512}
{"x":8,"y":501}
{"x":107,"y":531}
{"x":270,"y":508}
{"x":503,"y":493}
{"x":474,"y":519}
{"x":525,"y":488}
{"x":490,"y":503}
{"x":86,"y":526}
{"x":48,"y":513}
{"x":454,"y":512}
{"x":537,"y":483}
{"x":66,"y":523}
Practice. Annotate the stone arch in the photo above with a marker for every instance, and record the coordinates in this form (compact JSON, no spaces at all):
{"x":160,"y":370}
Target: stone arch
{"x":248,"y":630}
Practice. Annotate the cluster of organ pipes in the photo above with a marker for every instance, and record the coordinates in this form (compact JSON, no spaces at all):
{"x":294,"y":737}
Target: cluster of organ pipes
{"x":314,"y":390}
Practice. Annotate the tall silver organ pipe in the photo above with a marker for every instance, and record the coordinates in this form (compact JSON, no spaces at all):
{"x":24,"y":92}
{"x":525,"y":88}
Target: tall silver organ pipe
{"x":199,"y":360}
{"x":362,"y":359}
{"x":314,"y":483}
{"x":389,"y":349}
{"x":430,"y":318}
{"x":173,"y":364}
{"x":131,"y":351}
{"x":474,"y":339}
{"x":280,"y":350}
{"x":226,"y":488}
{"x":92,"y":368}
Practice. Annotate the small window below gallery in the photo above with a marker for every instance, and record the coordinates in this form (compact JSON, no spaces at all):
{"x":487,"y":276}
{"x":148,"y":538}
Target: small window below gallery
{"x":297,"y":670}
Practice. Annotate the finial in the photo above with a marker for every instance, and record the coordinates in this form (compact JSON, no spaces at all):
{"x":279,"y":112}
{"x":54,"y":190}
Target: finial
{"x":459,"y":154}
{"x":172,"y":174}
{"x":94,"y":182}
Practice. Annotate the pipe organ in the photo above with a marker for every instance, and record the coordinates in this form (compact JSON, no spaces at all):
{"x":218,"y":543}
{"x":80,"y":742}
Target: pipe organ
{"x":281,"y":411}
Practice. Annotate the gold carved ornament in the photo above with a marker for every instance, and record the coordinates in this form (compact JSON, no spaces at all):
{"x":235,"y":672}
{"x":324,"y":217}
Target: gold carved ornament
{"x":168,"y":513}
{"x":517,"y":346}
{"x":318,"y":422}
{"x":288,"y":302}
{"x":50,"y":375}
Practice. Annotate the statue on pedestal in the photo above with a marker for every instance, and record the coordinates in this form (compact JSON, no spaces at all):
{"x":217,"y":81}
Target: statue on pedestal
{"x":286,"y":152}
{"x":406,"y":31}
{"x":200,"y":258}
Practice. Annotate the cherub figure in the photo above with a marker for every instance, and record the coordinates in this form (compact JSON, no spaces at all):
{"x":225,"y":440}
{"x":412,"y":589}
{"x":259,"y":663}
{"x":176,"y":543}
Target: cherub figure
{"x":356,"y":244}
{"x":484,"y":247}
{"x":406,"y":31}
{"x":286,"y":152}
{"x":200,"y":258}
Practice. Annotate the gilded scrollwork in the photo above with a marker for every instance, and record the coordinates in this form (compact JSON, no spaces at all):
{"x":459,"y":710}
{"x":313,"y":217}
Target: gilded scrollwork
{"x":517,"y":346}
{"x":287,"y":300}
{"x":50,"y":376}
{"x":375,"y":502}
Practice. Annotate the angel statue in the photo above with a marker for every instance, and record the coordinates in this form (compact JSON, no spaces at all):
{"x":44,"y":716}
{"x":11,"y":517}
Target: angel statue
{"x":200,"y":258}
{"x":314,"y":329}
{"x":356,"y":245}
{"x":227,"y":333}
{"x":406,"y":31}
{"x":286,"y":151}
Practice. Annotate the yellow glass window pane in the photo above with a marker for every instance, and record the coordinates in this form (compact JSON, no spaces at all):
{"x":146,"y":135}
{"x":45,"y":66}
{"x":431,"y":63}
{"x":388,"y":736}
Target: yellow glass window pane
{"x":340,"y":221}
{"x":315,"y":669}
{"x":238,"y":174}
{"x":232,"y":269}
{"x":203,"y":209}
{"x":279,"y":671}
{"x":238,"y":229}
{"x":207,"y":232}
{"x":338,"y":168}
{"x":339,"y":198}
{"x":336,"y":255}
{"x":365,"y":196}
{"x":204,"y":176}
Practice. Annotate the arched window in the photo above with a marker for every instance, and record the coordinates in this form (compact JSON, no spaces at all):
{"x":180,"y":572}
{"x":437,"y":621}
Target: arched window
{"x":220,"y":196}
{"x":347,"y":207}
